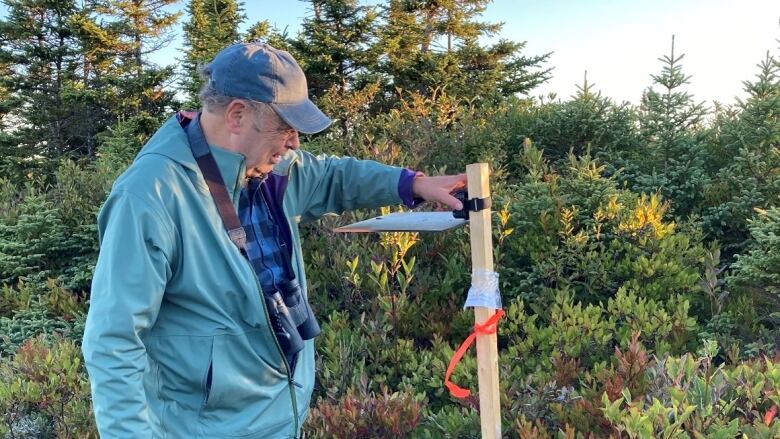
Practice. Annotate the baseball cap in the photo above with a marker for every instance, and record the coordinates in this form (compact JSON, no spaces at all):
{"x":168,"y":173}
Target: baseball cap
{"x":258,"y":72}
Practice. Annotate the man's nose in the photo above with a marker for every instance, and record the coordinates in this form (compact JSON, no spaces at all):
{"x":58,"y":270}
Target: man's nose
{"x":293,"y":142}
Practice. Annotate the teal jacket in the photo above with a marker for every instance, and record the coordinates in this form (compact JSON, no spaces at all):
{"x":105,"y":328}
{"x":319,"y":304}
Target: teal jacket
{"x":172,"y":297}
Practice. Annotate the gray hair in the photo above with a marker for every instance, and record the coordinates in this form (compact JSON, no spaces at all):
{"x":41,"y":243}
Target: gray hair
{"x":214,"y":101}
{"x":210,"y":99}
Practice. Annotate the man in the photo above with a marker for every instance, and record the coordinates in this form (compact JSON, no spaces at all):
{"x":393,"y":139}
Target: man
{"x":187,"y":335}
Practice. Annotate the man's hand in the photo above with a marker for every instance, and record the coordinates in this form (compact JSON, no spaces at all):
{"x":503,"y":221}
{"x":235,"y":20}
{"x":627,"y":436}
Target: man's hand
{"x":439,"y":189}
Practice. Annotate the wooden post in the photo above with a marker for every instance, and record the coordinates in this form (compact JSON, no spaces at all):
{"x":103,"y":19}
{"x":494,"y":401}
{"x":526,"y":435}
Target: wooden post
{"x":487,"y":347}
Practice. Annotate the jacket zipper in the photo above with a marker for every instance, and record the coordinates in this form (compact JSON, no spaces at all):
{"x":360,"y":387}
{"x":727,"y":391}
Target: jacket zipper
{"x":289,"y":371}
{"x":290,"y":380}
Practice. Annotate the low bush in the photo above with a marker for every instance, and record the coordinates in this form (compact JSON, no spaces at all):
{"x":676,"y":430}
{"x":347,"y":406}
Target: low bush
{"x":361,"y":414}
{"x":44,"y":391}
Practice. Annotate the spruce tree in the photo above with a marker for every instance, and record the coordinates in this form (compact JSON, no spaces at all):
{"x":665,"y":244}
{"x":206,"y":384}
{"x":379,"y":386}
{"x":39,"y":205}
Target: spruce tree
{"x":36,"y":244}
{"x":335,"y":45}
{"x":434,"y":45}
{"x":98,"y":75}
{"x":671,"y":126}
{"x":11,"y":156}
{"x":757,"y":268}
{"x":212,"y":26}
{"x":40,"y":56}
{"x":750,"y":178}
{"x":74,"y":70}
{"x":142,"y":28}
{"x":262,"y":31}
{"x":498,"y":70}
{"x":7,"y":99}
{"x":588,"y":123}
{"x":259,"y":31}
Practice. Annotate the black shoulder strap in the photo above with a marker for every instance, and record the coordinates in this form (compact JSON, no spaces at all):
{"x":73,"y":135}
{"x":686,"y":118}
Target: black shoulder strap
{"x":208,"y":167}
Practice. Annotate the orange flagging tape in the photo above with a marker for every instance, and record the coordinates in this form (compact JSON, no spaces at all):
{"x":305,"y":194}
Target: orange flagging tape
{"x":489,"y":327}
{"x":770,"y":414}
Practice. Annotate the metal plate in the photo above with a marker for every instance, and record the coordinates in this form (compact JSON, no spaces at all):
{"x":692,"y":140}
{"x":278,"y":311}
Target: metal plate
{"x":405,"y":222}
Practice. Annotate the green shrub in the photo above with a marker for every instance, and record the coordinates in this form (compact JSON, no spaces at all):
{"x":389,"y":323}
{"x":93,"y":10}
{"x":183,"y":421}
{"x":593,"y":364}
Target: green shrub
{"x":36,"y":244}
{"x":588,"y":123}
{"x":589,"y":333}
{"x":758,"y":268}
{"x":44,"y":392}
{"x":361,"y":414}
{"x":689,"y":397}
{"x":451,"y":421}
{"x":577,"y":231}
{"x":25,"y":324}
{"x":350,"y":352}
{"x":32,"y":309}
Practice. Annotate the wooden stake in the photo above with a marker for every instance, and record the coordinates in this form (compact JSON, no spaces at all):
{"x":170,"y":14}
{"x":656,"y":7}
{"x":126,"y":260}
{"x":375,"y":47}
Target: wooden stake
{"x":487,"y":347}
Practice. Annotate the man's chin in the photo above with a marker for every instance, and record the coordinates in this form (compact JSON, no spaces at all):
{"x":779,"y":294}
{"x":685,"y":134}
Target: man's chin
{"x":265,"y":169}
{"x":259,"y":171}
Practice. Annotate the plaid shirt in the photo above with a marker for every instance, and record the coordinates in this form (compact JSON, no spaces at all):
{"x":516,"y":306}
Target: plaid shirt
{"x":263,"y":237}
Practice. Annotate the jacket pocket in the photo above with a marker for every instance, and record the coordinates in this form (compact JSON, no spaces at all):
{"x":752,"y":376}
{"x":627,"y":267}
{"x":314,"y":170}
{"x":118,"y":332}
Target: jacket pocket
{"x":207,"y":384}
{"x":247,"y":393}
{"x":182,"y":363}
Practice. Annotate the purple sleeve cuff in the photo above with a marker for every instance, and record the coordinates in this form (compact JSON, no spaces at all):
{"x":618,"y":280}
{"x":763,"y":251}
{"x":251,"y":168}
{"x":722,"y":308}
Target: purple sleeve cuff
{"x":405,"y":189}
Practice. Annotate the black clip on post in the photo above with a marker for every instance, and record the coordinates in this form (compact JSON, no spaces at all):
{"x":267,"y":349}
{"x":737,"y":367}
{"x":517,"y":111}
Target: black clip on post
{"x":469,"y":205}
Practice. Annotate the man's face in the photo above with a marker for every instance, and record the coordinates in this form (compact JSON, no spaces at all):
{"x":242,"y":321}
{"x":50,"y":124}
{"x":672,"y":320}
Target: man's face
{"x":266,"y":139}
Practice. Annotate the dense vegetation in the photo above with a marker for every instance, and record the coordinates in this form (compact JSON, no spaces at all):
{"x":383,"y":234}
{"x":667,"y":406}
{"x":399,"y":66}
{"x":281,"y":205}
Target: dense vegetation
{"x":638,"y":246}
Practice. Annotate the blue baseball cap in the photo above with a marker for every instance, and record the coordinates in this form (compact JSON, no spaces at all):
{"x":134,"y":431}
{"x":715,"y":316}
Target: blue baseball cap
{"x":259,"y":72}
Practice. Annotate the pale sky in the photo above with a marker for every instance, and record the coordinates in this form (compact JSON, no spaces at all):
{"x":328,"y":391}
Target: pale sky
{"x":619,"y":42}
{"x":616,"y":41}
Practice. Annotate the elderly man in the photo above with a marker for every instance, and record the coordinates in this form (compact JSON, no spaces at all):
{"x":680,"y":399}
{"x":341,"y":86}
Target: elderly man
{"x":199,"y":324}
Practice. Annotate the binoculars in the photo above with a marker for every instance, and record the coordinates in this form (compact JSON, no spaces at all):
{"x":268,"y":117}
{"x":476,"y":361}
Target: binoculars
{"x":291,"y":317}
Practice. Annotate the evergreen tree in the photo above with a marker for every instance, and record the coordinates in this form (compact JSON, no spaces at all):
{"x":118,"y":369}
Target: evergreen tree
{"x":428,"y":21}
{"x":750,"y":178}
{"x":434,"y":44}
{"x":11,"y":156}
{"x":757,"y":269}
{"x":99,"y":76}
{"x":259,"y":31}
{"x":498,"y":70}
{"x":671,"y":127}
{"x":588,"y":123}
{"x":411,"y":28}
{"x":263,"y":31}
{"x":36,"y":243}
{"x":212,"y":26}
{"x":40,"y":56}
{"x":335,"y":46}
{"x":74,"y":70}
{"x":117,"y":37}
{"x":7,"y":101}
{"x":143,"y":27}
{"x":135,"y":29}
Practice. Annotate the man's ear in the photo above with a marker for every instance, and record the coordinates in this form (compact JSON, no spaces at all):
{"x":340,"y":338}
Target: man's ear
{"x":236,"y":114}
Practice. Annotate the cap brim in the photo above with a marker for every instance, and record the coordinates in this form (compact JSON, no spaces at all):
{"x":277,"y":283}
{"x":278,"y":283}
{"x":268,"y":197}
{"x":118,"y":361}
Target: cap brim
{"x":305,"y":117}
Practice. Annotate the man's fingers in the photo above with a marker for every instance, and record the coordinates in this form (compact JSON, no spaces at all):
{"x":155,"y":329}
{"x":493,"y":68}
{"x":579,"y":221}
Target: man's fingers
{"x":460,"y":181}
{"x":440,"y":189}
{"x":452,"y":202}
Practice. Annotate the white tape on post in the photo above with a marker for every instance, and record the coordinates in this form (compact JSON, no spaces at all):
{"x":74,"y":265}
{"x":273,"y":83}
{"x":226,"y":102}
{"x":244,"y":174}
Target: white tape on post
{"x":484,"y":289}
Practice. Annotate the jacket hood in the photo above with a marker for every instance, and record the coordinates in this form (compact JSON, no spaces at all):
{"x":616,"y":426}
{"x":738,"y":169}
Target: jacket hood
{"x":168,"y":141}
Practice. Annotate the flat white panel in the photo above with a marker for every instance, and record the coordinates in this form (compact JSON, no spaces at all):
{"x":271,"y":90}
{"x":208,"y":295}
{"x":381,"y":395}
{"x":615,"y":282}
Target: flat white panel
{"x":405,"y":222}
